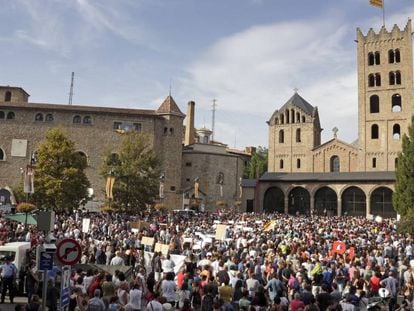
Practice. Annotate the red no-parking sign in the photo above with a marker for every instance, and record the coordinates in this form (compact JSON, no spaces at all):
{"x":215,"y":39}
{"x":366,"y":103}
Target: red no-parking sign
{"x":68,"y":251}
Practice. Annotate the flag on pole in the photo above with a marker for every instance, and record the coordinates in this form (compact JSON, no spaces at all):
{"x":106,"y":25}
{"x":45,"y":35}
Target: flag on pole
{"x":196,"y":187}
{"x":28,"y":186}
{"x":377,"y":3}
{"x":110,"y":180}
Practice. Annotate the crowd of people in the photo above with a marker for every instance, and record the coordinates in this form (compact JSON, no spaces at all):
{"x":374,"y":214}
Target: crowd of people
{"x":262,"y":262}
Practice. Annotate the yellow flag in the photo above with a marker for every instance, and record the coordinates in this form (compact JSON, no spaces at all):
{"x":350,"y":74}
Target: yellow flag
{"x":109,"y":185}
{"x":377,"y":3}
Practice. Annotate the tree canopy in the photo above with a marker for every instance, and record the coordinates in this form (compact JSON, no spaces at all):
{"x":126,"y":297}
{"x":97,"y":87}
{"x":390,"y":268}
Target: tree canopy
{"x":403,"y":197}
{"x":60,"y":182}
{"x":258,"y":163}
{"x":136,"y":170}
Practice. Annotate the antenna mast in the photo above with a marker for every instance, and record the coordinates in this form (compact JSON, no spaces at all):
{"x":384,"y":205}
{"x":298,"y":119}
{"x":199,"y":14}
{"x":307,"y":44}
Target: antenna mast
{"x":213,"y":121}
{"x":71,"y":88}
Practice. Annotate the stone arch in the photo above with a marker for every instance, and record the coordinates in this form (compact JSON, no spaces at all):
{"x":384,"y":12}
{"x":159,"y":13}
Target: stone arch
{"x":39,"y":116}
{"x":11,"y":115}
{"x":354,"y":202}
{"x":274,"y":200}
{"x":299,"y":201}
{"x":381,"y":202}
{"x":84,"y":156}
{"x":6,"y":196}
{"x":335,"y":164}
{"x":326,"y":202}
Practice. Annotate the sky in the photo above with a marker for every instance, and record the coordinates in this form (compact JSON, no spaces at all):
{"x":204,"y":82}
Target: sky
{"x":249,"y":55}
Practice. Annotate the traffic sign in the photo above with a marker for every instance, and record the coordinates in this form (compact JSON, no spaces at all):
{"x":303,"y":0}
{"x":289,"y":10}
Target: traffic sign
{"x":68,"y":251}
{"x":45,"y":261}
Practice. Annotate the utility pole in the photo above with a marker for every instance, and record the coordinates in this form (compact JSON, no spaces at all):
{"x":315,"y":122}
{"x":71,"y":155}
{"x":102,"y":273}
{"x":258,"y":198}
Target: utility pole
{"x":213,"y":121}
{"x":71,"y":88}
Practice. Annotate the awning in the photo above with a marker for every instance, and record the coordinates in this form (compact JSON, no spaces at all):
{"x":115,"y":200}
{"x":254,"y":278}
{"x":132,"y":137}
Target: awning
{"x":21,"y":217}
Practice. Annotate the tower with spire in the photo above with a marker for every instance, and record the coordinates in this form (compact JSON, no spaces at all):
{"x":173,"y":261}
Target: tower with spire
{"x":294,"y":130}
{"x":170,"y":135}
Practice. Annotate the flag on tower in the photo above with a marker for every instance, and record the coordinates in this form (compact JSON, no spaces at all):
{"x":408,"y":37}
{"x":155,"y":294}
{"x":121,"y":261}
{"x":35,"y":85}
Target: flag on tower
{"x":377,"y":3}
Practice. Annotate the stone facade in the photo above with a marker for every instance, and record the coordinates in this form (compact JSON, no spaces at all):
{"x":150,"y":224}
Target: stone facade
{"x":303,"y":173}
{"x":95,"y":130}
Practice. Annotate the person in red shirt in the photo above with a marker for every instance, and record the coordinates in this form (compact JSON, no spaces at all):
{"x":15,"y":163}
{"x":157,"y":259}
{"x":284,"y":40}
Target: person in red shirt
{"x":296,"y":303}
{"x":374,"y":284}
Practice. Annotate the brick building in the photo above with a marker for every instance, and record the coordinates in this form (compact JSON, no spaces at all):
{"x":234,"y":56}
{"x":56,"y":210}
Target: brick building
{"x":93,"y":129}
{"x":335,"y":177}
{"x":185,"y":152}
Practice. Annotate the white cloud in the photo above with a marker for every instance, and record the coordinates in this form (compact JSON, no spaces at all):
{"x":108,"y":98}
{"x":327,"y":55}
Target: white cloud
{"x":255,"y":71}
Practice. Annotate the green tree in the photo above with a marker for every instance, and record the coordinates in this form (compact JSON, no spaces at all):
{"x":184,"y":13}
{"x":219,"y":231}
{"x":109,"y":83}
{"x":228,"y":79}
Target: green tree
{"x":403,"y":197}
{"x":258,"y":163}
{"x":136,"y":170}
{"x":60,"y":182}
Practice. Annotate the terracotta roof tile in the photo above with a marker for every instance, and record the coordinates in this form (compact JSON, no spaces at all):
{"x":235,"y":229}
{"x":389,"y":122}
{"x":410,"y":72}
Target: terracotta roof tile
{"x":170,"y":107}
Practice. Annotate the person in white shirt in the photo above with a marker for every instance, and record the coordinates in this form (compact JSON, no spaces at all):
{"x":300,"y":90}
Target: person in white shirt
{"x":135,"y":295}
{"x":167,"y":264}
{"x":154,"y":305}
{"x":117,"y":260}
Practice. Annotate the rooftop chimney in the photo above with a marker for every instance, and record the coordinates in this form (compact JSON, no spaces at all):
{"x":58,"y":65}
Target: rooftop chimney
{"x":189,"y":126}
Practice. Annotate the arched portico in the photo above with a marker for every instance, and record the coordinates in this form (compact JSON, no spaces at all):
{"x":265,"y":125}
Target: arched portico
{"x":381,"y":203}
{"x":354,"y":202}
{"x":299,"y":201}
{"x":274,"y":200}
{"x":5,"y":196}
{"x":326,"y":202}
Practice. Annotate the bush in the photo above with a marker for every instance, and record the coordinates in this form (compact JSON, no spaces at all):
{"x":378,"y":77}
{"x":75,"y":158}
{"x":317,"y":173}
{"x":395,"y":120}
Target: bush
{"x":25,"y":207}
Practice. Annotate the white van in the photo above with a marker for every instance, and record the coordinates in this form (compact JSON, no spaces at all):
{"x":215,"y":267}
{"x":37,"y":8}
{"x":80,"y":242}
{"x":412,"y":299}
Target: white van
{"x":16,"y":251}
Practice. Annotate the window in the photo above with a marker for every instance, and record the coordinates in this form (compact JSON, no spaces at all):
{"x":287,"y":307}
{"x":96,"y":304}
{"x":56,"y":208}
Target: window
{"x":394,"y":56}
{"x":395,"y":162}
{"x":2,"y":115}
{"x":117,"y":125}
{"x":392,"y":78}
{"x":7,"y":96}
{"x":398,"y":77}
{"x":298,"y":117}
{"x":374,"y":131}
{"x":396,"y":132}
{"x":287,"y":117}
{"x":374,"y":104}
{"x":87,"y":120}
{"x":171,"y":131}
{"x":10,"y":115}
{"x":298,"y":163}
{"x":374,"y":162}
{"x":391,"y":56}
{"x":172,"y":188}
{"x":298,"y":136}
{"x":281,"y":164}
{"x":138,"y":127}
{"x":2,"y":157}
{"x":165,"y":130}
{"x":396,"y":103}
{"x":371,"y":80}
{"x":303,"y":119}
{"x":377,"y":58}
{"x":371,"y":59}
{"x":292,"y":115}
{"x":49,"y":117}
{"x":187,"y":179}
{"x":282,"y":119}
{"x":377,"y":79}
{"x":77,"y":119}
{"x":335,"y":164}
{"x":276,"y":121}
{"x":281,"y":137}
{"x":39,"y":117}
{"x":188,"y":164}
{"x":397,"y":56}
